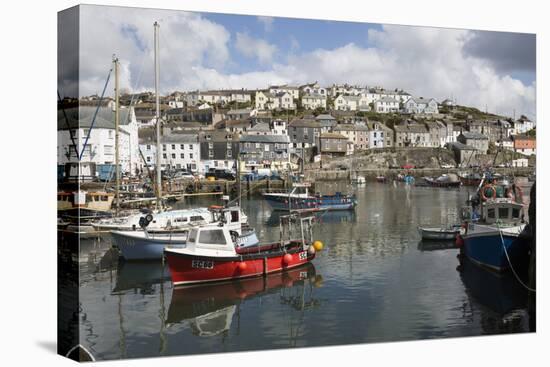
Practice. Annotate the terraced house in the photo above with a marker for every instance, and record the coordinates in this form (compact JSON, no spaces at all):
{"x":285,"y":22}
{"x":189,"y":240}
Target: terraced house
{"x":265,"y":151}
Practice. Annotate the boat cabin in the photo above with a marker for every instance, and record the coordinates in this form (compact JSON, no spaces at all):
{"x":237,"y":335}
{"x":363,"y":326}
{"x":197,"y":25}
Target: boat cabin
{"x":211,"y":240}
{"x":503,"y":212}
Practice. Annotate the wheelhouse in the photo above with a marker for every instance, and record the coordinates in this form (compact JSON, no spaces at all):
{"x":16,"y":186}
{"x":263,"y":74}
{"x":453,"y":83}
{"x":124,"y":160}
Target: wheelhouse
{"x":502,"y":212}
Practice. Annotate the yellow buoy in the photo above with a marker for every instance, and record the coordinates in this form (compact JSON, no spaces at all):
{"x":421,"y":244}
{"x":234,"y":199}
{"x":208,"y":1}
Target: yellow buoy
{"x":318,"y":245}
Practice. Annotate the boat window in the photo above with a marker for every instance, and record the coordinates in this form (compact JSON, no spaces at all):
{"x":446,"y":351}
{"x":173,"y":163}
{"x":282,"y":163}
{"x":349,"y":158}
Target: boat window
{"x":515,"y":213}
{"x":196,"y":218}
{"x":212,"y":237}
{"x":491,"y":213}
{"x":502,"y":213}
{"x":234,"y":216}
{"x":180,"y":220}
{"x":192,"y":236}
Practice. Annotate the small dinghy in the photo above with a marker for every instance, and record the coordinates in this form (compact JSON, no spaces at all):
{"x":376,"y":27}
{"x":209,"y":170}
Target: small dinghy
{"x":440,"y":234}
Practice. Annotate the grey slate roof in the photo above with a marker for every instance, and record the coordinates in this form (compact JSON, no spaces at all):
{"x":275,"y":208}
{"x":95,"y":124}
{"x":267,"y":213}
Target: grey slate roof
{"x":265,"y":138}
{"x":474,"y":135}
{"x":81,"y":117}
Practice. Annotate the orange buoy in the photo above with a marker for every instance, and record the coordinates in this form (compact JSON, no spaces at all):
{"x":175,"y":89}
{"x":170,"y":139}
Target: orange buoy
{"x":242,"y":266}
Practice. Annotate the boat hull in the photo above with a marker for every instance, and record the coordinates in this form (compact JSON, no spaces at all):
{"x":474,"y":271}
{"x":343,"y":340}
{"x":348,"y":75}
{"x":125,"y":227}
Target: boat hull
{"x":193,"y":269}
{"x":437,"y":235}
{"x":313,"y":203}
{"x":486,"y":249}
{"x":135,"y":246}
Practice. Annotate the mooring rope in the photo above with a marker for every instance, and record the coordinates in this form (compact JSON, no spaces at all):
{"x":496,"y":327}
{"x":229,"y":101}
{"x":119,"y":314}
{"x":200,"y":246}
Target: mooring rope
{"x":510,"y":262}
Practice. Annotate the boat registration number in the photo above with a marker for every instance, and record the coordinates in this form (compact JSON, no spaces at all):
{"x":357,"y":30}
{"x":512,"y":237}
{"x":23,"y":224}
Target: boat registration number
{"x":202,"y":264}
{"x":303,"y":255}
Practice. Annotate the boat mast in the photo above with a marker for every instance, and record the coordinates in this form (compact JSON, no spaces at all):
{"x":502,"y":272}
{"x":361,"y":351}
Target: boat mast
{"x":157,"y":116}
{"x":117,"y":122}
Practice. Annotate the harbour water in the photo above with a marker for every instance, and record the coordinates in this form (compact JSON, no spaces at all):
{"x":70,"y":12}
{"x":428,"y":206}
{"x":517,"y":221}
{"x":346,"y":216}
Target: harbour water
{"x":374,"y":282}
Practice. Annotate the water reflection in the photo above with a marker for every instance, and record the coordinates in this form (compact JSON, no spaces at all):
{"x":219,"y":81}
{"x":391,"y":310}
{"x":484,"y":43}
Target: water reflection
{"x":434,"y":245}
{"x":209,"y":309}
{"x":140,"y":276}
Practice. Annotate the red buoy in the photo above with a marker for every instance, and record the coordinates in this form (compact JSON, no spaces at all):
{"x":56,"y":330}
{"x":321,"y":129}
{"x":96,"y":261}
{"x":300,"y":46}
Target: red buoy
{"x":242,"y":266}
{"x":287,"y":258}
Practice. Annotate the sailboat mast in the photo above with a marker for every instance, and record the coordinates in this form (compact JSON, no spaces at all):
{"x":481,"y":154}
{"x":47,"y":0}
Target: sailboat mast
{"x":117,"y":122}
{"x":157,"y":102}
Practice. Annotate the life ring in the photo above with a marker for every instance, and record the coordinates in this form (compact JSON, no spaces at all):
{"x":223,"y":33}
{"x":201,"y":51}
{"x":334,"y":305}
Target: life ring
{"x":484,"y":189}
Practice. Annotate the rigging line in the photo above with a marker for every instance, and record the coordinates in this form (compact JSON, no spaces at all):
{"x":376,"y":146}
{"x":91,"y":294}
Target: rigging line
{"x":510,"y":262}
{"x":95,"y":115}
{"x":67,"y":123}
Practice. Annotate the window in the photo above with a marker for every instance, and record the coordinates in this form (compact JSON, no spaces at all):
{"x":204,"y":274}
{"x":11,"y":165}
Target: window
{"x":173,"y":155}
{"x":164,"y":147}
{"x":173,"y":146}
{"x":192,"y":235}
{"x":266,"y":148}
{"x":503,"y":212}
{"x":229,"y":154}
{"x":190,"y":155}
{"x":210,"y":145}
{"x":110,"y":134}
{"x":148,"y":147}
{"x":258,"y":145}
{"x":148,"y":159}
{"x":515,"y":213}
{"x":164,"y":155}
{"x":491,"y":213}
{"x":182,"y":156}
{"x":86,"y":132}
{"x":182,"y":146}
{"x":210,"y":154}
{"x":228,"y":145}
{"x":190,"y":147}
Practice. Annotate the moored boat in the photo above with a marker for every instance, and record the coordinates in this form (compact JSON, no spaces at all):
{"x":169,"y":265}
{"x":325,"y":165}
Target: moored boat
{"x":147,"y":245}
{"x":438,"y":233}
{"x":442,"y":181}
{"x":470,"y":179}
{"x":211,"y":254}
{"x":494,"y":222}
{"x":300,"y":199}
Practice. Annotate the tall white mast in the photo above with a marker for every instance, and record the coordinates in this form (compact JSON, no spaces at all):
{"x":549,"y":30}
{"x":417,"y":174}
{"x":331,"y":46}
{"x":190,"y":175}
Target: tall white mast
{"x":157,"y":117}
{"x":117,"y":122}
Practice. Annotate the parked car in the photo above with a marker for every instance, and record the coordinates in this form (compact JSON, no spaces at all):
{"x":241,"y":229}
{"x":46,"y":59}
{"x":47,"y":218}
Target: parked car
{"x":220,"y":174}
{"x":183,"y":175}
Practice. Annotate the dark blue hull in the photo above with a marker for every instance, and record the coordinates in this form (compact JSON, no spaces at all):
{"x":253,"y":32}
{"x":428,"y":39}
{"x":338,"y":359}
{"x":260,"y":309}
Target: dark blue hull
{"x":487,"y":250}
{"x":326,"y":202}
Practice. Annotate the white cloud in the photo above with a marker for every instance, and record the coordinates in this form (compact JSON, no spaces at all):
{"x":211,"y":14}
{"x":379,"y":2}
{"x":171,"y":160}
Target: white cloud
{"x":255,"y":47}
{"x":267,"y":22}
{"x":428,"y":62}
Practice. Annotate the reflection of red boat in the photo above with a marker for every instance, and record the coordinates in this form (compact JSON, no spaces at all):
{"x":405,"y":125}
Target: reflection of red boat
{"x":211,"y":255}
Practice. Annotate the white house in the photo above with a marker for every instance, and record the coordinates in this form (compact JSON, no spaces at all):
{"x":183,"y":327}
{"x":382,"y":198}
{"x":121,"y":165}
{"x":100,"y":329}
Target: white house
{"x":178,"y":151}
{"x":293,"y":91}
{"x":313,"y":101}
{"x":351,"y":103}
{"x":313,"y":88}
{"x":421,"y":105}
{"x":77,"y":137}
{"x":269,"y":101}
{"x":386,"y":105}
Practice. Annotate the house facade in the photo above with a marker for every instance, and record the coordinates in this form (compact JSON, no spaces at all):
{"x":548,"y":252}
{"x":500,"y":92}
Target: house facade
{"x":420,"y":106}
{"x":475,"y":140}
{"x":313,"y":101}
{"x":77,"y":137}
{"x":218,"y":149}
{"x":335,"y":145}
{"x":525,"y":144}
{"x":351,"y":103}
{"x":386,"y":105}
{"x":265,"y":151}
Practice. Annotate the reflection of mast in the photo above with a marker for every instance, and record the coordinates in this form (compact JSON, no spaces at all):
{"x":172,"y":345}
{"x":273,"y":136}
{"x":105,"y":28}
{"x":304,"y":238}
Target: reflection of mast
{"x":117,"y":118}
{"x":122,"y":341}
{"x":162,"y":316}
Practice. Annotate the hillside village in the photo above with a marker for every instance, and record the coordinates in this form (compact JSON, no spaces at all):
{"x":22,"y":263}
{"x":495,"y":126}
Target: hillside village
{"x":282,"y":125}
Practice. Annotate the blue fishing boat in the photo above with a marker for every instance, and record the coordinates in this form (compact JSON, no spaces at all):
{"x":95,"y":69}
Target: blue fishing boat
{"x":494,"y":221}
{"x":299,"y":199}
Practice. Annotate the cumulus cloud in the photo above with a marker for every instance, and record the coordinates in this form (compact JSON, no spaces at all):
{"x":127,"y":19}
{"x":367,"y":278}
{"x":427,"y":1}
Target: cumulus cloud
{"x":428,"y":62}
{"x":255,"y":47}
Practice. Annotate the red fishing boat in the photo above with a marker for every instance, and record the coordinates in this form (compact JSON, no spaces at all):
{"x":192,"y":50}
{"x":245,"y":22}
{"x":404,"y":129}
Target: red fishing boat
{"x":211,"y":253}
